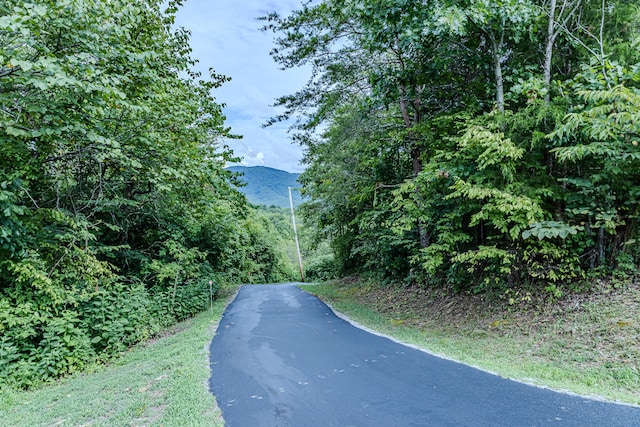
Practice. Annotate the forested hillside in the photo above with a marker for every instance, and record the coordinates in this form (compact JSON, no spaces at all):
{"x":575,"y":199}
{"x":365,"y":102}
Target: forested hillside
{"x":117,"y":216}
{"x":268,"y":186}
{"x":487,"y":146}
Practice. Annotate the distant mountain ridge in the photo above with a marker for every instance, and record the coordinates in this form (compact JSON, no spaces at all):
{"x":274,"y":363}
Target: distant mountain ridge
{"x":268,"y":186}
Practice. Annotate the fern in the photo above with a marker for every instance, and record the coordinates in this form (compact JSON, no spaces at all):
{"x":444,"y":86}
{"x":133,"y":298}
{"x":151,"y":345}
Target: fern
{"x":507,"y":212}
{"x":492,"y":148}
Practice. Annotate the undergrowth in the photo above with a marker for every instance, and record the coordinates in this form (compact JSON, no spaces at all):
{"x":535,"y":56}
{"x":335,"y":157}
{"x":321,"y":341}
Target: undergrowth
{"x":162,"y":382}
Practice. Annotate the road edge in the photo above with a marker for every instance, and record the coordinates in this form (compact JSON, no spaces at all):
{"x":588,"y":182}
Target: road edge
{"x":355,"y":323}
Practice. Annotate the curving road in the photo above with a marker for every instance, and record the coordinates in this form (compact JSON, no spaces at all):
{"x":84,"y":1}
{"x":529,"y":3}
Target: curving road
{"x":281,"y":357}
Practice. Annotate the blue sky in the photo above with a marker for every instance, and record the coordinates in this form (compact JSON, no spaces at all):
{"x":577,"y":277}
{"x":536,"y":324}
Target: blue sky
{"x":226,"y":37}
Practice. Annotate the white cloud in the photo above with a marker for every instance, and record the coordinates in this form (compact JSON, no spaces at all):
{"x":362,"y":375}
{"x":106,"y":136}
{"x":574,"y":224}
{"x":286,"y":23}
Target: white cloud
{"x":226,"y":37}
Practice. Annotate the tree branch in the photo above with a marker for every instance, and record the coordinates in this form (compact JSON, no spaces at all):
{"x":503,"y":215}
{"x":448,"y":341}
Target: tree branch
{"x":7,"y":71}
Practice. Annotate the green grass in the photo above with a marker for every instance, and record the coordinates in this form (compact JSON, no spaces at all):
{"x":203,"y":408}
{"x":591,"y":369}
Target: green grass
{"x":159,"y":383}
{"x":591,"y":350}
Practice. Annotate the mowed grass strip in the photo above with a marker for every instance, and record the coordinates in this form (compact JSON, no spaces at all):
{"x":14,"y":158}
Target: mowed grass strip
{"x":585,"y":344}
{"x":159,"y":383}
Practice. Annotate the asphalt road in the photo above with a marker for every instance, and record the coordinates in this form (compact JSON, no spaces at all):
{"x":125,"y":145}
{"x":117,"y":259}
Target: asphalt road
{"x":281,"y":357}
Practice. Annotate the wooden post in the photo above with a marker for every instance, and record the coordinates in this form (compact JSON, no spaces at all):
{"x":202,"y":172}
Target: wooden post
{"x":211,"y":294}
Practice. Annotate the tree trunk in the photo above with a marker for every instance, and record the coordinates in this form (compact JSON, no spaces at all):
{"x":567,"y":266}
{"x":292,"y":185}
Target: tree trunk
{"x":416,"y":162}
{"x":405,"y":113}
{"x":417,"y":168}
{"x":496,"y":48}
{"x":548,"y":51}
{"x":601,"y":237}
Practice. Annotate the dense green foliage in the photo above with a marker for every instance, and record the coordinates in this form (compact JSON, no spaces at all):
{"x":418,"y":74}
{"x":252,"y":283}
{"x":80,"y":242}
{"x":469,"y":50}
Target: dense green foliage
{"x":317,"y":260}
{"x":484,"y":145}
{"x":157,"y":383}
{"x":117,"y":216}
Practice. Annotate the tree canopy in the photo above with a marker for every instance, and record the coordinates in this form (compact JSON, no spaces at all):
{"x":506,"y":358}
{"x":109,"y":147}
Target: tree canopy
{"x":483,"y":145}
{"x":117,"y":216}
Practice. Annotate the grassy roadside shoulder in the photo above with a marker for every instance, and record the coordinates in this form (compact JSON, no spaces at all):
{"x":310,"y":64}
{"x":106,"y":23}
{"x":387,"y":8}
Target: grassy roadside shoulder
{"x":161,"y":382}
{"x":588,"y":345}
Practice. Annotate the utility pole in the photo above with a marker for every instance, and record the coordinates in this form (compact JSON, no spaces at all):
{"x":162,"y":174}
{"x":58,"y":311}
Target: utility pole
{"x":295,"y":233}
